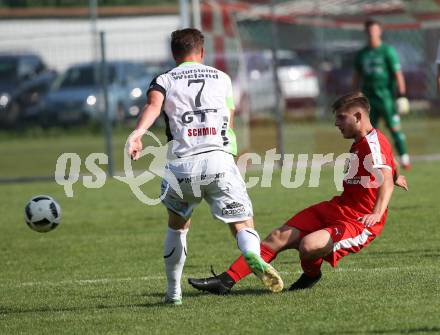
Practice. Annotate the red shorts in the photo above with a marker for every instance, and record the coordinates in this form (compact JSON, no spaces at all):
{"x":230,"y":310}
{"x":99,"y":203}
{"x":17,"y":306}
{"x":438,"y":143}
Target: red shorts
{"x":348,"y":235}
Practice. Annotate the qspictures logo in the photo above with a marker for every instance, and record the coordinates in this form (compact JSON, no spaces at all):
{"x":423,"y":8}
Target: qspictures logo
{"x":345,"y":168}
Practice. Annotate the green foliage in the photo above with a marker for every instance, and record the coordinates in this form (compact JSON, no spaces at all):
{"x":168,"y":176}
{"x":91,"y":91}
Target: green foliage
{"x":82,"y":3}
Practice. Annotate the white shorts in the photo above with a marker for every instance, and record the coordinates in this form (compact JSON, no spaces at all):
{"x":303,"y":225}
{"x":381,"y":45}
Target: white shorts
{"x":212,"y":176}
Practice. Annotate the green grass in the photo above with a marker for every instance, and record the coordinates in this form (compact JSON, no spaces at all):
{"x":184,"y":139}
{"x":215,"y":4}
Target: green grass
{"x":101,"y":270}
{"x":35,"y":153}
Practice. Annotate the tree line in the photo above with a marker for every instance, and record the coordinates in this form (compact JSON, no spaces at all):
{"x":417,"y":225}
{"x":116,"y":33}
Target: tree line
{"x":82,"y":3}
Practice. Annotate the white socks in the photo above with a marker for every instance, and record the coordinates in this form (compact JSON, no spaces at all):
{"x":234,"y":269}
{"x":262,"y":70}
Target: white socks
{"x":248,"y":240}
{"x":174,"y":257}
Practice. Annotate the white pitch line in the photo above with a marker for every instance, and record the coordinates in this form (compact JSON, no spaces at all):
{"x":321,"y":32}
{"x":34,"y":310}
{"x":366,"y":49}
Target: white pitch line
{"x":149,"y":278}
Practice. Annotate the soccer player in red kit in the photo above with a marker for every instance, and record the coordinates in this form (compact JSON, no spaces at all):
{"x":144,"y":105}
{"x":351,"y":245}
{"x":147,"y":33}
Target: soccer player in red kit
{"x":345,"y":224}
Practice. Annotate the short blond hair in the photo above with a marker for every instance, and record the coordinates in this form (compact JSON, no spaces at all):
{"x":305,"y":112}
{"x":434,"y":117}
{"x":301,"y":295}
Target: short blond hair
{"x":355,"y":99}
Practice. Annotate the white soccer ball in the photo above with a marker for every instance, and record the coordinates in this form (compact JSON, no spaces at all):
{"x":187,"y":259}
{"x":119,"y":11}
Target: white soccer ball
{"x":42,"y":213}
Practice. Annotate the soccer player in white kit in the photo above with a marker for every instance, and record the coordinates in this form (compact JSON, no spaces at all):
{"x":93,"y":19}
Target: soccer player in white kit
{"x":198,"y":109}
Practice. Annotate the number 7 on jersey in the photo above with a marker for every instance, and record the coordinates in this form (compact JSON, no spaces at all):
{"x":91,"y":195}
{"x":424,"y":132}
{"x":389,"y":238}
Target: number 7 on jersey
{"x":199,"y":93}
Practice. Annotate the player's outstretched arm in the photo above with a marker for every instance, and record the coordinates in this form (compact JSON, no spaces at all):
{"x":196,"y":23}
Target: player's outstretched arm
{"x":149,"y":114}
{"x":401,"y":182}
{"x":383,"y":197}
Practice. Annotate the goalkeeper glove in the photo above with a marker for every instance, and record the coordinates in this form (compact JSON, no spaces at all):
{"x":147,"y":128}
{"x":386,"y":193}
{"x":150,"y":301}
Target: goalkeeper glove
{"x":402,"y":105}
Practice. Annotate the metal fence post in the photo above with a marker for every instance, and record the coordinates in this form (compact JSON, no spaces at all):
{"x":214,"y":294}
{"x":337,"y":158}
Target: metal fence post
{"x":279,"y":97}
{"x":197,"y":22}
{"x":184,"y":14}
{"x":107,"y":119}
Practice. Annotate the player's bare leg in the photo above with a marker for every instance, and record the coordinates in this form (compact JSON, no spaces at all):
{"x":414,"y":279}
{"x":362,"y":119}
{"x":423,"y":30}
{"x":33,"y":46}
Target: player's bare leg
{"x":312,"y":248}
{"x":283,"y":238}
{"x":315,"y":245}
{"x":248,"y":242}
{"x":175,"y":256}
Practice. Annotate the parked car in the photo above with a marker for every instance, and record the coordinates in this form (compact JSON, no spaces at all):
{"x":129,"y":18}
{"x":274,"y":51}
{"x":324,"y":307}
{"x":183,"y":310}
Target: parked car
{"x":76,"y":96}
{"x":24,"y":79}
{"x":298,"y":80}
{"x":247,"y":95}
{"x":150,"y":69}
{"x":253,"y":82}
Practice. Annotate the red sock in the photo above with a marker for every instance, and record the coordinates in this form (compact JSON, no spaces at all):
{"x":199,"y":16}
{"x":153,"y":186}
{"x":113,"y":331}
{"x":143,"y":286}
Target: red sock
{"x":312,"y":268}
{"x":239,"y":269}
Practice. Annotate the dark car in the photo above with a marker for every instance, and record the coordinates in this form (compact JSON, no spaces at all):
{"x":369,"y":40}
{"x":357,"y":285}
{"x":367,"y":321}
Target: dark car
{"x":151,"y":69}
{"x":24,"y":79}
{"x":76,"y":96}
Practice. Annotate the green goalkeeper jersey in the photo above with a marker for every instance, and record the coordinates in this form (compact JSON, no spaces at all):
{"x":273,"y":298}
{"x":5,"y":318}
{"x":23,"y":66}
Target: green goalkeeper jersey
{"x":377,"y":68}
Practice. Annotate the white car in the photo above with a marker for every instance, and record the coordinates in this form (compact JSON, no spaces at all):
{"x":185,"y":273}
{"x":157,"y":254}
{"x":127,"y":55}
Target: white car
{"x":298,"y":81}
{"x":253,"y":82}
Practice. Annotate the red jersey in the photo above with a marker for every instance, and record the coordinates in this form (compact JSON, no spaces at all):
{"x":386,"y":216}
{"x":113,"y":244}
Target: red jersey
{"x":360,"y":183}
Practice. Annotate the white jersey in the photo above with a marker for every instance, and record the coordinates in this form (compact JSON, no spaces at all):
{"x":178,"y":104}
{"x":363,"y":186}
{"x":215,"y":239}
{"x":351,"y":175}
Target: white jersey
{"x":198,"y":100}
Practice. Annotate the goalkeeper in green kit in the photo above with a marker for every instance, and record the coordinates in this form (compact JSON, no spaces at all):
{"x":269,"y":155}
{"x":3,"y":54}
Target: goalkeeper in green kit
{"x":377,"y":69}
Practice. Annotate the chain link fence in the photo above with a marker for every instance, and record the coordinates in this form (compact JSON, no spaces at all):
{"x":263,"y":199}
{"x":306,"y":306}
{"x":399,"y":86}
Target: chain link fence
{"x":53,"y":89}
{"x":316,"y":42}
{"x":326,"y":35}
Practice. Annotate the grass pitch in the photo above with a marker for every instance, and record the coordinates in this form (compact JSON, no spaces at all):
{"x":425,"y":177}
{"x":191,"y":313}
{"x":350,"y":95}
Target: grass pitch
{"x":101,"y":271}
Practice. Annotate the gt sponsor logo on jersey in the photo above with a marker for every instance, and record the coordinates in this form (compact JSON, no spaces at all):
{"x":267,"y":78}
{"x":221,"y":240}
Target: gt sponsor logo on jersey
{"x":234,"y":208}
{"x":188,"y":117}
